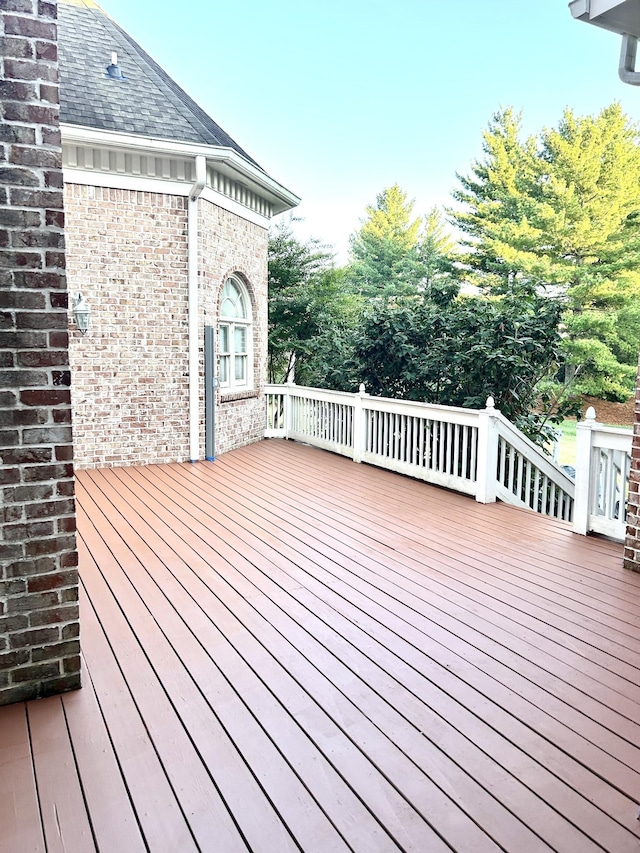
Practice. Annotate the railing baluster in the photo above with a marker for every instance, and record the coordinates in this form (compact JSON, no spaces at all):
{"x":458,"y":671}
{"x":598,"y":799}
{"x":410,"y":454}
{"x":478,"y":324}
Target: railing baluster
{"x":404,"y":438}
{"x":385,"y":434}
{"x":441,"y":446}
{"x":456,"y":450}
{"x":473,"y":473}
{"x":519,"y":477}
{"x":512,"y":468}
{"x":527,"y":487}
{"x":466,"y":472}
{"x":611,"y":485}
{"x":396,"y":437}
{"x":502,"y":454}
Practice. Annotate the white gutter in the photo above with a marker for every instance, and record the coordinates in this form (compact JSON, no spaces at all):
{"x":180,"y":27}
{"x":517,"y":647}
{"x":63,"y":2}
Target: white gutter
{"x":192,"y":254}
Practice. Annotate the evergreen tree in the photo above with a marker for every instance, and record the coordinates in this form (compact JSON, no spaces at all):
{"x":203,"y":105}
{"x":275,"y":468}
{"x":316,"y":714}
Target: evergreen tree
{"x":438,"y":260}
{"x":384,"y":249}
{"x":562,"y":212}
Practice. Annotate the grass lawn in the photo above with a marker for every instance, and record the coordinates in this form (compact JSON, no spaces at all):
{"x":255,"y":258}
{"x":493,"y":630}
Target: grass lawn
{"x":568,"y":441}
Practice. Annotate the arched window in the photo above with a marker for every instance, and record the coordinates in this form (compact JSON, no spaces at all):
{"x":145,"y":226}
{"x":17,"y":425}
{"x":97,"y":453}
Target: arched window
{"x":235,"y":336}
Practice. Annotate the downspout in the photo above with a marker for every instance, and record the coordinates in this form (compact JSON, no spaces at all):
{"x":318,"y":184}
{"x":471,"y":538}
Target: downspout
{"x":192,"y":262}
{"x":627,"y":66}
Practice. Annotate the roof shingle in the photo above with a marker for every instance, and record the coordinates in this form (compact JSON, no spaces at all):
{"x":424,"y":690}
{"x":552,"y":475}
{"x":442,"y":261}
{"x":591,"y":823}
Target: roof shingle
{"x":148,"y":102}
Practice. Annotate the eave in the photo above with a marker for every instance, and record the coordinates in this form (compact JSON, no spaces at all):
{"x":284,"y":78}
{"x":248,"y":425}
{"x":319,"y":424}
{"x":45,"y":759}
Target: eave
{"x":617,"y":16}
{"x":245,"y":179}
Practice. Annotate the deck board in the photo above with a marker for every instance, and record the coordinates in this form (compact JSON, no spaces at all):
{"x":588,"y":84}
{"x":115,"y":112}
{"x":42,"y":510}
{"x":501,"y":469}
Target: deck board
{"x":20,"y":818}
{"x":567,"y":767}
{"x":64,"y":815}
{"x":286,"y":651}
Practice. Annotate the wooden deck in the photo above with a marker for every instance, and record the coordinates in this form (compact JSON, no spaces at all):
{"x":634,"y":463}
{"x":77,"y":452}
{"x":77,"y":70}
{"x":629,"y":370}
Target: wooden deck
{"x":286,"y":651}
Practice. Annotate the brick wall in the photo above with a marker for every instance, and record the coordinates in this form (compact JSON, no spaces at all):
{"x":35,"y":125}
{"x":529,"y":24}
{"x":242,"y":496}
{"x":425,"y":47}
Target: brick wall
{"x":39,"y":646}
{"x":127,"y":255}
{"x":632,"y":542}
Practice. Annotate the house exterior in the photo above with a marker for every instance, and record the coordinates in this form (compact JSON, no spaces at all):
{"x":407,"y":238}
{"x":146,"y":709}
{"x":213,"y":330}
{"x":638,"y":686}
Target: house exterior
{"x":166,"y":229}
{"x":114,"y":185}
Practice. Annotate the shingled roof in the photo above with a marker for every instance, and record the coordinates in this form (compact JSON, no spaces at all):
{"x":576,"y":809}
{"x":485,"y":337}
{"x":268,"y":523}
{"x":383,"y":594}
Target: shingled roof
{"x":147,"y":102}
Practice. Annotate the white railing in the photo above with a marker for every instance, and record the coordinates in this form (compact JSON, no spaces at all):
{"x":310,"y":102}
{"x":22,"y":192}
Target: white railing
{"x":603,"y":461}
{"x":478,"y":452}
{"x":529,"y":478}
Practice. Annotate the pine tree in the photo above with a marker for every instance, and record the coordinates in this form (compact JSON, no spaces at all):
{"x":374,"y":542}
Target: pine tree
{"x":438,"y":258}
{"x":384,"y":249}
{"x":562,"y":212}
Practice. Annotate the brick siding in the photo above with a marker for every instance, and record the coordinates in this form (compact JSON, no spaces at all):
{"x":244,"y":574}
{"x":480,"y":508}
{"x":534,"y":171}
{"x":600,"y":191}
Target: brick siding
{"x":632,"y":541}
{"x":127,"y":255}
{"x":39,"y":645}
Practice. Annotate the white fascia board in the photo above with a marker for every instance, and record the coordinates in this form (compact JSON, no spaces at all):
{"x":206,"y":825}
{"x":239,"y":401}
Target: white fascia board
{"x":579,"y":8}
{"x":281,"y":198}
{"x":618,"y":16}
{"x":113,"y":180}
{"x":220,"y":200}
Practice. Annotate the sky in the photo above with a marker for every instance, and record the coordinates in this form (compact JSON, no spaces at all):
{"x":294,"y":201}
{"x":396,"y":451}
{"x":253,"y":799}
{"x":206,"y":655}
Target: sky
{"x":340,"y":99}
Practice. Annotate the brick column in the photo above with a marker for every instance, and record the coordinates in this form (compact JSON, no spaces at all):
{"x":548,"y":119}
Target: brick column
{"x":39,"y":645}
{"x":632,"y":541}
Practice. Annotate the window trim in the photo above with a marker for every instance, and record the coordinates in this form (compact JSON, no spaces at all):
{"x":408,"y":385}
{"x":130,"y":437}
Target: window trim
{"x":232,"y":385}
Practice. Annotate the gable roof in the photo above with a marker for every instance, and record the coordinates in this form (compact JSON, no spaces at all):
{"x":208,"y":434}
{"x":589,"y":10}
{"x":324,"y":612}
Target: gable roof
{"x":146,"y":103}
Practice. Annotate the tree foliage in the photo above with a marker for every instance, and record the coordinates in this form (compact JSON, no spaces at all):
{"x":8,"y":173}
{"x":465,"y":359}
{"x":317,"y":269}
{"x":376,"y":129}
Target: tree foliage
{"x":311,"y":310}
{"x":561,"y":212}
{"x":551,"y":234}
{"x":384,"y":249}
{"x":395,"y":252}
{"x":410,"y":348}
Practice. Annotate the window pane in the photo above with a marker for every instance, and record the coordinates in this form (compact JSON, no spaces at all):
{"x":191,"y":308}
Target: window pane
{"x":233,"y":301}
{"x":241,"y":310}
{"x":224,"y":339}
{"x":228,"y":308}
{"x":241,"y":362}
{"x":224,"y":369}
{"x":240,"y":338}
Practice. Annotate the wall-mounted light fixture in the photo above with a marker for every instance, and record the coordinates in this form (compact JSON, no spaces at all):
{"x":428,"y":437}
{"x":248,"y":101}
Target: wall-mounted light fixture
{"x":81,"y":313}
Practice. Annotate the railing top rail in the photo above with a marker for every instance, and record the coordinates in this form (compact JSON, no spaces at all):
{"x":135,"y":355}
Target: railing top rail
{"x":612,"y":440}
{"x":305,"y":391}
{"x":453,"y":414}
{"x":607,"y":430}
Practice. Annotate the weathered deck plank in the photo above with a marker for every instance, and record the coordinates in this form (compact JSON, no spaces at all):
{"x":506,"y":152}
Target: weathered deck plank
{"x":64,"y":816}
{"x":283,"y":650}
{"x":20,"y":819}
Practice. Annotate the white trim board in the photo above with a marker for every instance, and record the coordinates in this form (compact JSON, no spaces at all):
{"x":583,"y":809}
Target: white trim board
{"x":135,"y":183}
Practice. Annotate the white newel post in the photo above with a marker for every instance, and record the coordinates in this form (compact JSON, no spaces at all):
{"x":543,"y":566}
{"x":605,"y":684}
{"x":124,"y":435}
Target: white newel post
{"x":288,"y":406}
{"x":584,"y":473}
{"x":359,"y":424}
{"x":487,"y":454}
